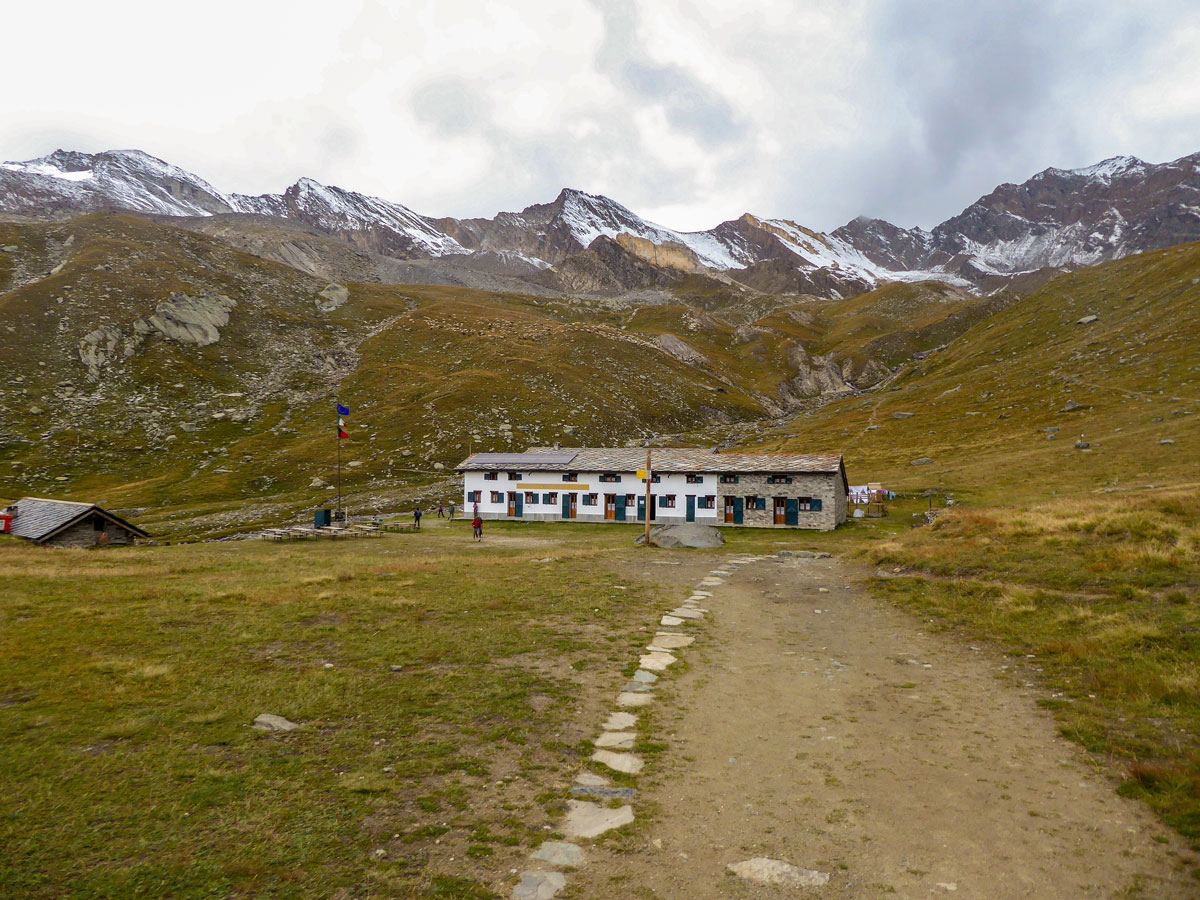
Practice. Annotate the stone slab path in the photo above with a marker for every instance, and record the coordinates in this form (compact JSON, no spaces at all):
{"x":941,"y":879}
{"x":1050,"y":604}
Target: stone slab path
{"x":817,"y":732}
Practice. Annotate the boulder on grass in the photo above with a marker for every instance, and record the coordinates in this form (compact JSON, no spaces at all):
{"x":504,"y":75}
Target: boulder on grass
{"x":699,"y":537}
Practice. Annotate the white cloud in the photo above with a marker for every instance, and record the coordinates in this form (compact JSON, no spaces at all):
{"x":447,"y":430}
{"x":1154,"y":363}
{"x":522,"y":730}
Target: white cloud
{"x":688,"y":111}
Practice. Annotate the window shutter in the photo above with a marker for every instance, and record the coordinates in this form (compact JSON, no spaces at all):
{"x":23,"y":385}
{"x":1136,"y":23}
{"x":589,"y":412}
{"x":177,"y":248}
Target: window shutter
{"x":815,"y":504}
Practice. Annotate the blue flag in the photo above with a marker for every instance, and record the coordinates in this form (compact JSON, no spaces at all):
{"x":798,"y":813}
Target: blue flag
{"x":343,"y":410}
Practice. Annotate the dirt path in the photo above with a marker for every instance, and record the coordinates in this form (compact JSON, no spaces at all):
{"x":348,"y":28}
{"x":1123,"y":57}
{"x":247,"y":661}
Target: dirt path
{"x":904,"y":764}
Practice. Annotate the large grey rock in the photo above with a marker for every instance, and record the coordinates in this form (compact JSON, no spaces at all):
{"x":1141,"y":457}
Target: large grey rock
{"x":539,"y":885}
{"x":589,"y":820}
{"x":922,"y":461}
{"x":559,"y":853}
{"x":193,"y":320}
{"x":333,"y":296}
{"x":699,"y":537}
{"x":776,"y":871}
{"x":902,"y":415}
{"x":271,"y":722}
{"x":98,"y":347}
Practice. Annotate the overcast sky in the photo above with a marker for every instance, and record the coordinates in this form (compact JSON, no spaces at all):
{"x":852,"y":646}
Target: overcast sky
{"x":687,"y":112}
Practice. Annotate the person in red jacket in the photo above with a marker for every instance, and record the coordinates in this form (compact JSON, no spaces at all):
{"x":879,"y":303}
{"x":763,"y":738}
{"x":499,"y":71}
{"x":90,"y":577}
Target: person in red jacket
{"x":477,"y":527}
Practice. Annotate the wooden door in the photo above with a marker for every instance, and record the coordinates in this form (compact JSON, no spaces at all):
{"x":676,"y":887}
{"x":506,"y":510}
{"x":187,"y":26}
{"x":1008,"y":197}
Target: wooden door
{"x":729,"y":510}
{"x":512,"y":504}
{"x":574,"y":505}
{"x":780,"y":510}
{"x":610,"y":507}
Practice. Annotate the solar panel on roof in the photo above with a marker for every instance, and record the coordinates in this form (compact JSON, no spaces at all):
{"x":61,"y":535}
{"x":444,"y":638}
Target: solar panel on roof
{"x":517,"y":459}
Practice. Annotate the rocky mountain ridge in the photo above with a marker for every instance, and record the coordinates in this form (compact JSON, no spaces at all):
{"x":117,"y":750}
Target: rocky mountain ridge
{"x":1058,"y":218}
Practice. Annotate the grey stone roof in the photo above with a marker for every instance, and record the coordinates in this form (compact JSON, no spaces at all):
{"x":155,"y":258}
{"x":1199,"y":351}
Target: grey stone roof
{"x":37,"y":518}
{"x":597,"y":459}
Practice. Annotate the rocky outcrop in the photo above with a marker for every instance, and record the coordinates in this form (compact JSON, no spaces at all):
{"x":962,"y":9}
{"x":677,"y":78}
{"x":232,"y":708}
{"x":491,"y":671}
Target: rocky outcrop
{"x":680,"y":350}
{"x":668,"y":254}
{"x":98,"y":347}
{"x":332,"y":296}
{"x":193,"y":320}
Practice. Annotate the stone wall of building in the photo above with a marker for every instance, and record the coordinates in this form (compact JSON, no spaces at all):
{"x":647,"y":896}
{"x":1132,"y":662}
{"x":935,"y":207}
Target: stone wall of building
{"x":825,"y":487}
{"x":84,"y":534}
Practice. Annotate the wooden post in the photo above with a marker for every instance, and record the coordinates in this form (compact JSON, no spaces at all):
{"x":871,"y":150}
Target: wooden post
{"x":649,"y":475}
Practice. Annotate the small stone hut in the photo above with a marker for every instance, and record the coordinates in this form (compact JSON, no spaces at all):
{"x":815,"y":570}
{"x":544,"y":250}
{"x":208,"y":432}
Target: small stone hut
{"x":63,"y":523}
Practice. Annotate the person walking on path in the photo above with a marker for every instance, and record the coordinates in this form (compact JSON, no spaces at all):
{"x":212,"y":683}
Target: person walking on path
{"x":475,"y":510}
{"x":441,"y":510}
{"x":477,"y":528}
{"x":417,"y":518}
{"x":451,"y":512}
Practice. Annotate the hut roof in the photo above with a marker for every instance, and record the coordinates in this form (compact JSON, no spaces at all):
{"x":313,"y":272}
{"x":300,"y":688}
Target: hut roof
{"x":38,"y":519}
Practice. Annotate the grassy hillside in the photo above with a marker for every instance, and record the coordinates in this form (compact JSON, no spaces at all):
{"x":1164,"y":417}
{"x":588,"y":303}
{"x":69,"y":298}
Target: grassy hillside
{"x":206,"y":439}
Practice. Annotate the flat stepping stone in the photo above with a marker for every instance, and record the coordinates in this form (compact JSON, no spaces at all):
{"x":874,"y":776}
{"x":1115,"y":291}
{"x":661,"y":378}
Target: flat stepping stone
{"x":626,"y":763}
{"x":656,"y":662}
{"x":776,"y":871}
{"x":603,"y":793}
{"x":701,"y":594}
{"x":629,"y":698}
{"x":539,"y":885}
{"x":618,"y":721}
{"x":619,"y":740}
{"x":588,"y":820}
{"x":559,"y":853}
{"x":722,"y":573}
{"x":670,"y":620}
{"x":685,"y":613}
{"x":670,"y":641}
{"x":646,"y":677}
{"x":636,"y":686}
{"x":711,"y":582}
{"x":591,"y":779}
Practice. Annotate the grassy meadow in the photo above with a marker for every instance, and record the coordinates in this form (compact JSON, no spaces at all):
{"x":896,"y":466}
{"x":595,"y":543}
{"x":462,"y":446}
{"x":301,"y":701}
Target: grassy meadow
{"x":437,"y":684}
{"x":446,"y":692}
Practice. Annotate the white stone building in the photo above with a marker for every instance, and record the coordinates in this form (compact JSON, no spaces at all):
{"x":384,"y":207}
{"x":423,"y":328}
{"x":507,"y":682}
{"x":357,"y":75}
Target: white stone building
{"x":602,"y":485}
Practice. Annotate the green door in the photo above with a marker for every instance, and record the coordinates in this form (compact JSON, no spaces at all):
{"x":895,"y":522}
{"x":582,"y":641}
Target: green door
{"x":691,"y":508}
{"x":620,"y":508}
{"x":739,"y":506}
{"x":792,"y":516}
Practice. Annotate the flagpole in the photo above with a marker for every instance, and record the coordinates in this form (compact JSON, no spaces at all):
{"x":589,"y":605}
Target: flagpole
{"x":338,"y":436}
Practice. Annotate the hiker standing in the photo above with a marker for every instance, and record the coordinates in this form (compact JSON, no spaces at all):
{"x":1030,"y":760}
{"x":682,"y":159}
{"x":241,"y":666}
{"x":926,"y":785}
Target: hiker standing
{"x":475,"y":510}
{"x":441,"y":510}
{"x":477,"y":528}
{"x":417,"y":518}
{"x":451,"y":512}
